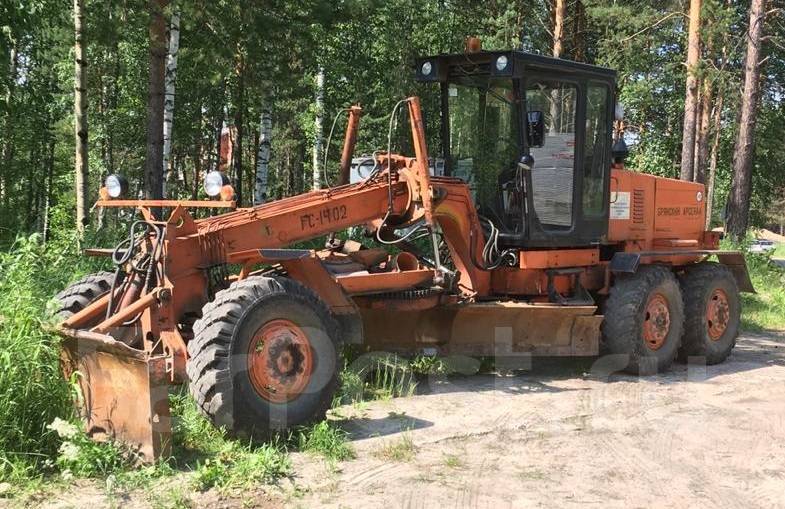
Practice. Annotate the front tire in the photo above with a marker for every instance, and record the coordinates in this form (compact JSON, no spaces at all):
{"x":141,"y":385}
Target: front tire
{"x":82,"y":293}
{"x":264,"y":357}
{"x":713,"y":307}
{"x":644,"y":320}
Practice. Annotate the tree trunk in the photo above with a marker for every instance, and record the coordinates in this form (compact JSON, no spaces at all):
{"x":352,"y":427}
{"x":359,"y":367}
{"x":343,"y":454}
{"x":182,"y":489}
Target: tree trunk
{"x":171,"y":74}
{"x":8,"y":147}
{"x":238,"y":124}
{"x":81,"y":163}
{"x":579,"y":32}
{"x":220,"y":129}
{"x":31,"y":181}
{"x":197,"y":170}
{"x":289,"y":174}
{"x":715,"y":148}
{"x":263,"y":157}
{"x":113,"y":104}
{"x":50,"y":170}
{"x":225,"y":149}
{"x":155,"y":100}
{"x":318,"y":130}
{"x":299,"y":163}
{"x":691,"y":98}
{"x":559,"y":9}
{"x":702,"y":132}
{"x":741,"y":185}
{"x":103,"y":99}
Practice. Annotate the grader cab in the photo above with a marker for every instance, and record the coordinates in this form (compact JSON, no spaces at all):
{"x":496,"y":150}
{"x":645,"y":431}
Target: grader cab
{"x":538,"y":243}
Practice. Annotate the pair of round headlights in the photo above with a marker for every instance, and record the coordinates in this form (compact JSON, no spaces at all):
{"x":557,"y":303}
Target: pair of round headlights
{"x":214,"y":182}
{"x":501,"y":65}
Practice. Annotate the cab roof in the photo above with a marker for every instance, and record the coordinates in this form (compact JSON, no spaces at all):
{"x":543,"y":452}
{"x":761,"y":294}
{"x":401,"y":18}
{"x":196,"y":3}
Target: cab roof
{"x":445,"y":66}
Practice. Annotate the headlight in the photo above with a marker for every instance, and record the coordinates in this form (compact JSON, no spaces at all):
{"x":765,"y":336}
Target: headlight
{"x":426,"y":68}
{"x":213,"y":182}
{"x":501,"y":63}
{"x":116,"y":186}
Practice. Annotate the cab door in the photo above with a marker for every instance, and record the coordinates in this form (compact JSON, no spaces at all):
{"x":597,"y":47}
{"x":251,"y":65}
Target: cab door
{"x":568,"y":184}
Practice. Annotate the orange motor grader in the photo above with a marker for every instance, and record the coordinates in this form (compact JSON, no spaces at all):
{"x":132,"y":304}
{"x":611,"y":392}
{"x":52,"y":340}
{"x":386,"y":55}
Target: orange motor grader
{"x":535,"y":241}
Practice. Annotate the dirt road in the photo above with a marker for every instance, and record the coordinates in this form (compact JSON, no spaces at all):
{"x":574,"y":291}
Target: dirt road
{"x":558,"y":437}
{"x":703,"y":437}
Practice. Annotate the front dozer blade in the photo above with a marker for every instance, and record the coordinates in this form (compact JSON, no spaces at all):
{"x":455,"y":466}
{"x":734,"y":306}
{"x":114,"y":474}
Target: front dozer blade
{"x":123,"y":392}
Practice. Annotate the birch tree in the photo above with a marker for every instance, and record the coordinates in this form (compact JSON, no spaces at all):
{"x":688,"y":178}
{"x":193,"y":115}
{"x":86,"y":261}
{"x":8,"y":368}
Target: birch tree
{"x":169,"y":97}
{"x":318,"y":130}
{"x":80,"y":117}
{"x":7,"y":144}
{"x":263,"y":157}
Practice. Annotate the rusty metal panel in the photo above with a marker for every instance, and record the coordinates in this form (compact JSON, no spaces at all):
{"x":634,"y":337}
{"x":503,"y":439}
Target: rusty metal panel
{"x":735,"y":261}
{"x":359,"y":284}
{"x":124,"y":392}
{"x":494,"y":328}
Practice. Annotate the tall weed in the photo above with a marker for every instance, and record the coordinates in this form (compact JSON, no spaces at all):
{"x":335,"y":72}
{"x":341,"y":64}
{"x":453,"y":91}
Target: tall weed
{"x":32,"y":389}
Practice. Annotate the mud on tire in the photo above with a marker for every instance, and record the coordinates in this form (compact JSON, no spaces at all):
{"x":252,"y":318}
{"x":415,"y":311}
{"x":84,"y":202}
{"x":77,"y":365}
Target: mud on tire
{"x":224,"y":377}
{"x":644,"y":320}
{"x":713,"y":309}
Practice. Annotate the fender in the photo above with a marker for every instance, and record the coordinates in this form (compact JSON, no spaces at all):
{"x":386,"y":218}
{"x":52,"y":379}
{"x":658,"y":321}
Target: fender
{"x":628,"y":263}
{"x":305,"y":267}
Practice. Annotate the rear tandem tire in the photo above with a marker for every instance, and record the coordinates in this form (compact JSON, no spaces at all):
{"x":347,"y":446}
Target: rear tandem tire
{"x":264,"y":357}
{"x":713,"y":306}
{"x":644,"y":320}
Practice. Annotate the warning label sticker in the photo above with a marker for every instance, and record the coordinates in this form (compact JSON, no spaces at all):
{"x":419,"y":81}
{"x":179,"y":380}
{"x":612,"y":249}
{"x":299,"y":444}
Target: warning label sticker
{"x":620,"y":205}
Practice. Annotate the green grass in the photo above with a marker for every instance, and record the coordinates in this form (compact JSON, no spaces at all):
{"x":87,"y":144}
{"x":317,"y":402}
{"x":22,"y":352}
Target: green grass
{"x":375,"y":376}
{"x":220,"y":461}
{"x":452,"y":461}
{"x":32,"y":390}
{"x":174,"y":498}
{"x":401,"y":449}
{"x":326,"y":440}
{"x":79,"y":456}
{"x":242,"y":466}
{"x":378,"y":375}
{"x":764,"y":310}
{"x":33,"y":394}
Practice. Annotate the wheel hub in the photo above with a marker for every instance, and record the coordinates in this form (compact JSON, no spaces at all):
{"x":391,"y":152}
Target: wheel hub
{"x":280,"y":361}
{"x":717,"y":314}
{"x":657,"y":322}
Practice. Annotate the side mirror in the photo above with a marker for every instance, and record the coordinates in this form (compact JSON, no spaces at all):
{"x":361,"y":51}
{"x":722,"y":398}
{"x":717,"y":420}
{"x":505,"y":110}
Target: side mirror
{"x":525,"y":165}
{"x":535,"y":129}
{"x":526,"y":162}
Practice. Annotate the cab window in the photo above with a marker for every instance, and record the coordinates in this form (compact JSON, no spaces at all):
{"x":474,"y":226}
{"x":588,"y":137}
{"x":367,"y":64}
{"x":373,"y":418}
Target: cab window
{"x":596,"y":146}
{"x":485,"y":141}
{"x":553,"y":174}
